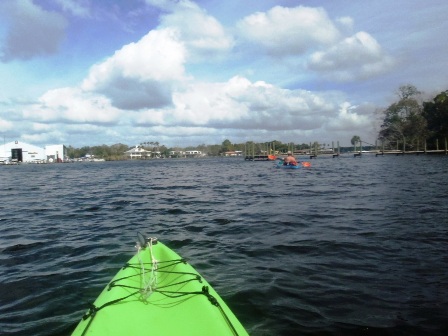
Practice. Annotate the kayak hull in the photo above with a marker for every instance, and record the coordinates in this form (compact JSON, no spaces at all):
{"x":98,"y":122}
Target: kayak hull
{"x":289,"y":166}
{"x":169,"y":299}
{"x":297,"y":166}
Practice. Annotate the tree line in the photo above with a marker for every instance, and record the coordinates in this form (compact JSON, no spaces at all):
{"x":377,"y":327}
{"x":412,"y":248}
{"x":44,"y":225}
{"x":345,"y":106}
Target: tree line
{"x":114,"y":152}
{"x":117,"y":151}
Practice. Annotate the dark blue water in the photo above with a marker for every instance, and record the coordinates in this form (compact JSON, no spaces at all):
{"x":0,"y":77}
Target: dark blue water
{"x":347,"y":247}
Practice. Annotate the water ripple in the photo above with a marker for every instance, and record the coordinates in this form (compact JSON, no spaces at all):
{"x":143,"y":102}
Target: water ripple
{"x":347,"y":247}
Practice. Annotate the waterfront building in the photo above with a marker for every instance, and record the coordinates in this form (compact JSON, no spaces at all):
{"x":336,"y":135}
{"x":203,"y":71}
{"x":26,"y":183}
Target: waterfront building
{"x":56,"y":153}
{"x":137,"y":153}
{"x":19,"y":151}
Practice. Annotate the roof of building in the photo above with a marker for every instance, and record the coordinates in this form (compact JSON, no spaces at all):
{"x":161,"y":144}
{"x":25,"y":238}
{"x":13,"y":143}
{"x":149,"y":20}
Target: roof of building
{"x":137,"y":150}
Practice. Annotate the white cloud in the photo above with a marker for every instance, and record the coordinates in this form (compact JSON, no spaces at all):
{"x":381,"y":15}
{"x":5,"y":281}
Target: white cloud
{"x":358,"y":56}
{"x":72,"y":105}
{"x":241,"y":104}
{"x":289,"y":31}
{"x":141,"y":74}
{"x":39,"y":127}
{"x":5,"y":125}
{"x":38,"y":138}
{"x":205,"y":39}
{"x":347,"y":119}
{"x":32,"y":31}
{"x":200,"y":111}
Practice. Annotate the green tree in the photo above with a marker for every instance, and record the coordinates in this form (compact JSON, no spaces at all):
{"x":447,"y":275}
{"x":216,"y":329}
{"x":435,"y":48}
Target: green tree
{"x":226,"y":146}
{"x":355,"y":139}
{"x":214,"y":150}
{"x":164,"y":151}
{"x":436,"y":115}
{"x":403,"y":120}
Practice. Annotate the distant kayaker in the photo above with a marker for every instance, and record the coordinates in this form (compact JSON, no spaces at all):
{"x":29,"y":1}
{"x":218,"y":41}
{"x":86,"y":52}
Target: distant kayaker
{"x":290,"y":160}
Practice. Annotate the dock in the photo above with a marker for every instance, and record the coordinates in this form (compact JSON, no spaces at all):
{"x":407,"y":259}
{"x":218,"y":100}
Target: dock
{"x":258,"y":158}
{"x":418,"y":152}
{"x":267,"y":152}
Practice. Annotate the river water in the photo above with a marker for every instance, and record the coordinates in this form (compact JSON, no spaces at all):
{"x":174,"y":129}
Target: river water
{"x":350,"y":246}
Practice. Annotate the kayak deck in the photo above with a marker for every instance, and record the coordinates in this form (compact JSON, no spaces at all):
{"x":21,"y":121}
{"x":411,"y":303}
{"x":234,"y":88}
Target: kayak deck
{"x":159,"y":293}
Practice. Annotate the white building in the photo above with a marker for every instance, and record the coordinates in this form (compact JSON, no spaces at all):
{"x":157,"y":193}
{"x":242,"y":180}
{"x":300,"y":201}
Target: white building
{"x":19,"y":151}
{"x":233,"y":153}
{"x":193,"y":153}
{"x":56,"y":153}
{"x":137,"y":153}
{"x":177,"y":153}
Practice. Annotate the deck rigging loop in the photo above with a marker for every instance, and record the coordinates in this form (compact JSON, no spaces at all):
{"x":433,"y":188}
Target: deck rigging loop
{"x":142,"y":241}
{"x":148,"y":277}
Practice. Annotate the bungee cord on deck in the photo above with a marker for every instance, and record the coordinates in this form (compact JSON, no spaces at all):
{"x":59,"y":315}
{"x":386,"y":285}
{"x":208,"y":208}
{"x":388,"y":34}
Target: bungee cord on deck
{"x":150,"y":273}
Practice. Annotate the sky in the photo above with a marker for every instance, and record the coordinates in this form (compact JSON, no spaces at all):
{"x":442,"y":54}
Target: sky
{"x":186,"y":73}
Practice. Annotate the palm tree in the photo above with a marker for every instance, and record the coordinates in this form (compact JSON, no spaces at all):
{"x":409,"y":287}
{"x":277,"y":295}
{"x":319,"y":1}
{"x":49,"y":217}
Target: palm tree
{"x":355,"y":140}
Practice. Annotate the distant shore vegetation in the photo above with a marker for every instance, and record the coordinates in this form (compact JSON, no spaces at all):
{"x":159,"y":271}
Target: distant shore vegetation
{"x":407,"y":123}
{"x":117,"y":151}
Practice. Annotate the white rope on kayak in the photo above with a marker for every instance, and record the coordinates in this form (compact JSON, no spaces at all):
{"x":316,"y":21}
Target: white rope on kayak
{"x":148,"y":279}
{"x":149,"y":283}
